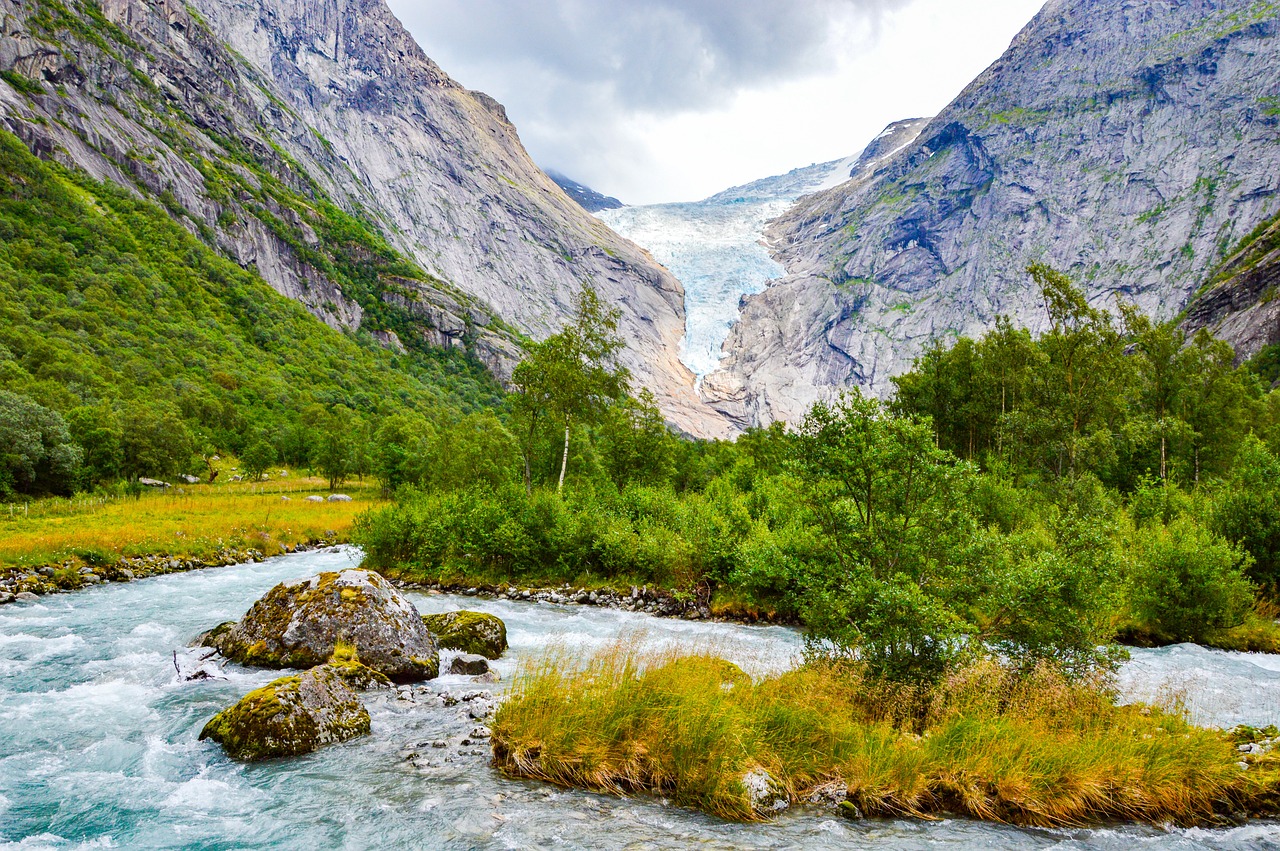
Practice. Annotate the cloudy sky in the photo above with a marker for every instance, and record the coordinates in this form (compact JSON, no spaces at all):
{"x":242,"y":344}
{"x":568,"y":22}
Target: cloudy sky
{"x":673,"y":100}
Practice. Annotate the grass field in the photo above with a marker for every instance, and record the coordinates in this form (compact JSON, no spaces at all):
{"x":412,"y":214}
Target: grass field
{"x":985,"y":743}
{"x":189,"y":522}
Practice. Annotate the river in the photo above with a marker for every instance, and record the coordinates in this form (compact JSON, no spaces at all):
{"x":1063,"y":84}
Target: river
{"x":98,"y":741}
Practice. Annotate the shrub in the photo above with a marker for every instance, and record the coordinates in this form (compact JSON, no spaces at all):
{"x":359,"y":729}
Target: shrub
{"x":1185,"y":582}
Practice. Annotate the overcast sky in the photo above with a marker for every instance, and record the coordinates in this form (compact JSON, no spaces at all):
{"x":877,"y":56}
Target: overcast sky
{"x":674,"y":100}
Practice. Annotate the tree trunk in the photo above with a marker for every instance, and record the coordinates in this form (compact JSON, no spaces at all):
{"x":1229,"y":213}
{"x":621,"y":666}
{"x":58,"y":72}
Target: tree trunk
{"x":564,"y":459}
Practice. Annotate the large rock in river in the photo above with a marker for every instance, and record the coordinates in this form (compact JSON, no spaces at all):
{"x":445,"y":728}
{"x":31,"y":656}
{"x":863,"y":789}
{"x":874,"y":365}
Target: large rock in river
{"x":299,"y":625}
{"x":471,"y":632}
{"x":290,"y":716}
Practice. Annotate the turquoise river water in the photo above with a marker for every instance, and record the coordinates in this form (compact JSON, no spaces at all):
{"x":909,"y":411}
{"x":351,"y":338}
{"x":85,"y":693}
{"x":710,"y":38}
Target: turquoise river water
{"x":98,"y":741}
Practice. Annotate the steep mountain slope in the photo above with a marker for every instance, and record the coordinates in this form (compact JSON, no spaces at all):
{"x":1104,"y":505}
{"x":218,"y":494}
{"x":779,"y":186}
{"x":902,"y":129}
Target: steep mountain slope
{"x":1240,"y":303}
{"x":316,"y":144}
{"x":1129,"y":144}
{"x":587,"y":198}
{"x":110,"y":310}
{"x":715,"y":246}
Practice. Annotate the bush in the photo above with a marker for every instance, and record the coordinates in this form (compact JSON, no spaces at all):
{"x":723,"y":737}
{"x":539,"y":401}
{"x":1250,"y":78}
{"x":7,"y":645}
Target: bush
{"x":1247,"y":511}
{"x":1185,"y":582}
{"x":1030,"y":748}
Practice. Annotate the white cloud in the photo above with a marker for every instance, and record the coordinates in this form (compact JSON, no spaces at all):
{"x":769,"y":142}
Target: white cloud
{"x":659,"y":100}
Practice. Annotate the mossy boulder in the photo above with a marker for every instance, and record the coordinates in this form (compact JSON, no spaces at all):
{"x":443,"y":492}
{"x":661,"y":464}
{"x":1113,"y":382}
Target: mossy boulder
{"x":300,"y":624}
{"x":209,"y":637}
{"x":290,"y":716}
{"x":471,"y":632}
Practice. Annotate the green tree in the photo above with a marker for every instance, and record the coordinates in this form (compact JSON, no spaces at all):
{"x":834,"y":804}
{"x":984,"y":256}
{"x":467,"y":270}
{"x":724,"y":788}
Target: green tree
{"x":1246,"y":510}
{"x":97,"y":430}
{"x":335,"y":446}
{"x":398,"y":448}
{"x":1078,"y":392}
{"x":1187,"y":582}
{"x":570,"y":377}
{"x":37,"y":454}
{"x":153,"y":442}
{"x":257,"y":457}
{"x":885,"y":578}
{"x":636,"y":445}
{"x":472,"y":451}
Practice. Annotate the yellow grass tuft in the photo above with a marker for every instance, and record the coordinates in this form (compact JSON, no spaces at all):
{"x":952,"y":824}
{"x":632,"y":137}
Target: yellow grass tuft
{"x":986,"y":743}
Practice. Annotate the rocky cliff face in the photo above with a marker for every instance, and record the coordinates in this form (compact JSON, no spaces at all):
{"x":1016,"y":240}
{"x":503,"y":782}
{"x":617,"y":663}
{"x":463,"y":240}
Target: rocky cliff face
{"x":1240,"y":303}
{"x":278,"y":129}
{"x":1129,"y":143}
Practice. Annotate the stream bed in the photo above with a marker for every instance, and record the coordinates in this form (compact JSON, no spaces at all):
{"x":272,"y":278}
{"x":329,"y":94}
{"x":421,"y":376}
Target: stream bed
{"x":98,"y":744}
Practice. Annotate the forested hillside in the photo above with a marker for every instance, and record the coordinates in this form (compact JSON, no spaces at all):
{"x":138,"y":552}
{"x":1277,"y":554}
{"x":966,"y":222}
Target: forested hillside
{"x":154,"y":349}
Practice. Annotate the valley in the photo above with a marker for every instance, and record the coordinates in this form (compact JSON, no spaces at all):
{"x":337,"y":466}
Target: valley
{"x":926,"y":497}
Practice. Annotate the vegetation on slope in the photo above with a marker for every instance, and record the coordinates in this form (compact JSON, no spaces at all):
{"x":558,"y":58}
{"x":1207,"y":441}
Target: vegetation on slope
{"x":151,"y":348}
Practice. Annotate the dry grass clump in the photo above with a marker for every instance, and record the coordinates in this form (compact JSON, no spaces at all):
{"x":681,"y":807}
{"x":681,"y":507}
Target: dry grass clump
{"x":987,"y":743}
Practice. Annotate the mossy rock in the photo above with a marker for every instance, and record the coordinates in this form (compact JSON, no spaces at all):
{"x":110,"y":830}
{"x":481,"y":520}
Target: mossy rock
{"x":209,"y":637}
{"x":300,"y":624}
{"x":470,"y":632}
{"x":346,"y":664}
{"x":290,"y":716}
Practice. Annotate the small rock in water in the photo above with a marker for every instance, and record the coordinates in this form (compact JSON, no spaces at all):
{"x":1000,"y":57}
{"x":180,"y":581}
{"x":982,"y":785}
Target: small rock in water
{"x":763,"y":792}
{"x":849,"y":810}
{"x":469,"y":663}
{"x":26,"y":597}
{"x":471,"y":632}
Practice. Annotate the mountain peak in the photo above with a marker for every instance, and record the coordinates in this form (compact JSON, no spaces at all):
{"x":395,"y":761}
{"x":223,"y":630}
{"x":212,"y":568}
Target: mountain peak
{"x":590,"y":200}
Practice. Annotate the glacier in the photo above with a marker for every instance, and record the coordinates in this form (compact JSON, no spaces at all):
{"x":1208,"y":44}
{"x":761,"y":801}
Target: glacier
{"x":716,"y":246}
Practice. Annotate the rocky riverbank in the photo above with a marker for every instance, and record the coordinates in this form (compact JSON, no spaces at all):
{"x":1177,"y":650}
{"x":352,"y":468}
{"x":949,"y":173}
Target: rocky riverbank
{"x":28,"y":583}
{"x":642,"y":599}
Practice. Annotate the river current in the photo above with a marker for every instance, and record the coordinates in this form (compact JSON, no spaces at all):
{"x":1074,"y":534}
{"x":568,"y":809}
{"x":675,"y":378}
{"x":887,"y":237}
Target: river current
{"x":98,"y":743}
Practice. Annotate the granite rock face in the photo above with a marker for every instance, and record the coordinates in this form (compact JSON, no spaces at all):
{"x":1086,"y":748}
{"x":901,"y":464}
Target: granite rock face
{"x":1240,"y":304}
{"x":221,"y":108}
{"x":1129,"y":144}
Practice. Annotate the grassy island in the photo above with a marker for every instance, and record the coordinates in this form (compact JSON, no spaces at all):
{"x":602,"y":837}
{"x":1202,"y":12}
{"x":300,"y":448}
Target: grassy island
{"x":1030,"y":748}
